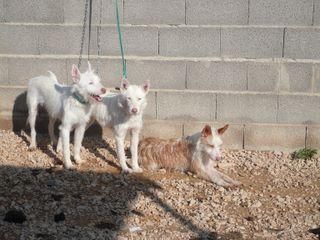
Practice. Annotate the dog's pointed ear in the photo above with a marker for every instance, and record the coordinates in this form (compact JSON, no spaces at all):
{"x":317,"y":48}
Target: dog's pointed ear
{"x":89,"y":66}
{"x":75,"y":73}
{"x":124,"y":84}
{"x":223,"y":129}
{"x":206,"y":131}
{"x":146,"y":86}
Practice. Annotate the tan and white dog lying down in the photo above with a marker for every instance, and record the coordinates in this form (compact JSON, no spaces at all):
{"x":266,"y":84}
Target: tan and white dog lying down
{"x":196,"y":153}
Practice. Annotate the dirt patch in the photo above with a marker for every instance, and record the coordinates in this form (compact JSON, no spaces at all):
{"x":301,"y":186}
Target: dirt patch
{"x":279,"y":199}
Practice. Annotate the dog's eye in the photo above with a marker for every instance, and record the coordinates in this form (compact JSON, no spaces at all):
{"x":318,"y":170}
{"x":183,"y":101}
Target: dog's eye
{"x":129,"y":98}
{"x":211,"y":145}
{"x":139,"y":99}
{"x":91,"y":83}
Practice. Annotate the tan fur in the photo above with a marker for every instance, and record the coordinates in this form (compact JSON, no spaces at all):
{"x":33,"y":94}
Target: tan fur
{"x":169,"y":154}
{"x":181,"y":155}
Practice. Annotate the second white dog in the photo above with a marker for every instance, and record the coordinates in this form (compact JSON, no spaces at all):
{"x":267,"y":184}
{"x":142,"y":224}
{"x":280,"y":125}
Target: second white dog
{"x":123,"y":112}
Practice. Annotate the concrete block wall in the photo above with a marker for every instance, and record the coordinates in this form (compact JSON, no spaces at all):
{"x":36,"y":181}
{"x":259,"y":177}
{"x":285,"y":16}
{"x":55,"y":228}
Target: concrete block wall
{"x":253,"y":64}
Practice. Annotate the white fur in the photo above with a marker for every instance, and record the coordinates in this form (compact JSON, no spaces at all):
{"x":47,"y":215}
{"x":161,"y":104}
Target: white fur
{"x":205,"y":154}
{"x":60,"y":103}
{"x":123,"y":112}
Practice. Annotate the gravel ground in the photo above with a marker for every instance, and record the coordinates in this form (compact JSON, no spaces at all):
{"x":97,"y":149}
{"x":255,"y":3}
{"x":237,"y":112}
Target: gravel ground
{"x":279,"y":199}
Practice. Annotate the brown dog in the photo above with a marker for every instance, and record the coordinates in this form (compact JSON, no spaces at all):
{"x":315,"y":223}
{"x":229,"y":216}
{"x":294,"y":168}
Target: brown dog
{"x":195,"y":153}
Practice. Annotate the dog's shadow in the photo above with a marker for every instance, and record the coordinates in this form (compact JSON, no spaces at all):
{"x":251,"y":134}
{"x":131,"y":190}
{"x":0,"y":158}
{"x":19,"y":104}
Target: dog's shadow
{"x":21,"y":128}
{"x":95,"y":134}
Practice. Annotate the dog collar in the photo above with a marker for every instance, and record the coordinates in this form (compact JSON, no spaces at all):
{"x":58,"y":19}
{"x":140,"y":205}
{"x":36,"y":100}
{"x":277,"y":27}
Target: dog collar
{"x":79,"y":98}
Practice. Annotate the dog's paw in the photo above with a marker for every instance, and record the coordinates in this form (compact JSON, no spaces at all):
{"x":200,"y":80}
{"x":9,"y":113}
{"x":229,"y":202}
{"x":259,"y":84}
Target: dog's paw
{"x":59,"y":149}
{"x":32,"y":148}
{"x":69,"y":166}
{"x":78,"y":160}
{"x":127,"y":170}
{"x":137,"y":169}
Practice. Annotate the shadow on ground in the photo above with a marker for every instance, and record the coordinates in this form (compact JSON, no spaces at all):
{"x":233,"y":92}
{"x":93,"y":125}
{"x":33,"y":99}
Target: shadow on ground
{"x":63,"y":204}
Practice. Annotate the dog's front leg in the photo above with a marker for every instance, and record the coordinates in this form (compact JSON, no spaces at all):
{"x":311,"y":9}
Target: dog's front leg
{"x":120,"y":136}
{"x":65,"y":137}
{"x":134,"y":149}
{"x":222,"y":179}
{"x":78,"y":137}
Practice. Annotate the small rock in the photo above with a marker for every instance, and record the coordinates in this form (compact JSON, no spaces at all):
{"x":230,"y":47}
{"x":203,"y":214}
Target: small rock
{"x":135,"y":229}
{"x":106,"y":225}
{"x":249,"y":218}
{"x":15,"y":216}
{"x":57,"y":197}
{"x":256,"y":204}
{"x":59,"y":217}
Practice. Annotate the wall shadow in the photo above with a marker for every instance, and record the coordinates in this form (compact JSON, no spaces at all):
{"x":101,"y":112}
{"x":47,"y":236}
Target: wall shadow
{"x":64,"y":204}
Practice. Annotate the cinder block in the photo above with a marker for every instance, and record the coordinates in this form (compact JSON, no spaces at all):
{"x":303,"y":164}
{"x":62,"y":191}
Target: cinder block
{"x":141,"y":41}
{"x":12,"y":100}
{"x":263,"y":77}
{"x":154,"y":11}
{"x":45,"y":11}
{"x":162,"y":74}
{"x":22,"y":69}
{"x":74,"y":11}
{"x":2,"y":11}
{"x":281,"y":12}
{"x":250,"y":42}
{"x":208,"y":75}
{"x":261,"y":108}
{"x":4,"y":79}
{"x":5,"y":122}
{"x":217,"y":12}
{"x":296,"y":77}
{"x":232,"y":138}
{"x":189,"y":42}
{"x":186,"y":106}
{"x":63,"y":40}
{"x":299,"y":109}
{"x":313,"y":139}
{"x":162,"y":129}
{"x":109,"y":70}
{"x":18,"y":39}
{"x":274,"y":137}
{"x":84,"y":67}
{"x":316,"y":12}
{"x":302,"y":43}
{"x":316,"y":76}
{"x":151,"y":109}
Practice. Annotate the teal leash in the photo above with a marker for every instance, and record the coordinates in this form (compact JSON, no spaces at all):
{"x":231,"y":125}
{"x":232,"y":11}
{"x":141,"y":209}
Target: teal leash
{"x":124,"y":63}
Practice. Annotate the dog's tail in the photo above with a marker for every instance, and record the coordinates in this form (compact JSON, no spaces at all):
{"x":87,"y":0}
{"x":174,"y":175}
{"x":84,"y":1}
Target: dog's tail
{"x":53,"y":76}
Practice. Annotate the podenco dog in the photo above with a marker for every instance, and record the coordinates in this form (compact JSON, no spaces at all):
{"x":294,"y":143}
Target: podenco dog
{"x":70,"y":104}
{"x":196,"y":153}
{"x":122,"y":112}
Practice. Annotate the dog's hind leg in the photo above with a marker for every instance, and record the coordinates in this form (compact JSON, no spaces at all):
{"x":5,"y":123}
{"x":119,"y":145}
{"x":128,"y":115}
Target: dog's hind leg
{"x":134,"y":149}
{"x":51,"y":131}
{"x":120,"y":136}
{"x":33,"y":111}
{"x":78,"y":137}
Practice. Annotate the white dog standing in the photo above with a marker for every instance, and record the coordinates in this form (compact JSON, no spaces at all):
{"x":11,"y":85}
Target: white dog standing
{"x":71,"y":104}
{"x":122,"y":112}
